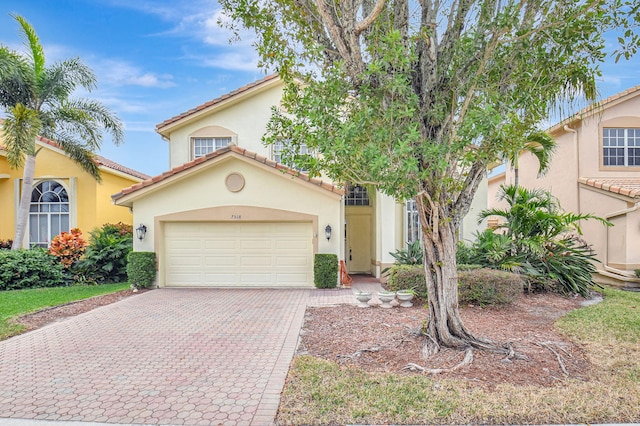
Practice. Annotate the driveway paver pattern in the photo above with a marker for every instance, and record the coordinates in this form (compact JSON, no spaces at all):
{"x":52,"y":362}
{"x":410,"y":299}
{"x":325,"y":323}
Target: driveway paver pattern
{"x":168,"y":356}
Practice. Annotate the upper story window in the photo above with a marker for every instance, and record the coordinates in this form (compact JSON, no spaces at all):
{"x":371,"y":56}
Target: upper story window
{"x":203,"y":146}
{"x":620,"y":146}
{"x":278,"y":148}
{"x":357,"y":195}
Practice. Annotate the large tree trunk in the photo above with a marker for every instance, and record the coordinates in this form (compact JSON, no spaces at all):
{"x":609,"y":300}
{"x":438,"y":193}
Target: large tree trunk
{"x":25,"y":202}
{"x":445,"y":327}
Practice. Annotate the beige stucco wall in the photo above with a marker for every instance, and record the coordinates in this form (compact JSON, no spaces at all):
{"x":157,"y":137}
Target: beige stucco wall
{"x":470,"y":225}
{"x":246,"y":117}
{"x":265,"y":188}
{"x":578,"y":155}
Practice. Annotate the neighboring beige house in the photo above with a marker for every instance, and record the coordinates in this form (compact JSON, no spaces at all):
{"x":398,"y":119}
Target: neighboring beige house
{"x":596,"y":169}
{"x":228,"y":213}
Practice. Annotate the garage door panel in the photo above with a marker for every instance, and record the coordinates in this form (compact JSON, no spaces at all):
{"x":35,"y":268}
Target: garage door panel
{"x":220,"y":244}
{"x":217,"y":261}
{"x":247,"y":254}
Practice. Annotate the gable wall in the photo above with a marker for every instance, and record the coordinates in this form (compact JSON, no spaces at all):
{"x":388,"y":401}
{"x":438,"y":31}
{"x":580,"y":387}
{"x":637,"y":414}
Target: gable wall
{"x":248,"y":119}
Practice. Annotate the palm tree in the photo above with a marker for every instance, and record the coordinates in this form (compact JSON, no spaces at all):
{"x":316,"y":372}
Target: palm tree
{"x":537,"y":143}
{"x":37,"y":100}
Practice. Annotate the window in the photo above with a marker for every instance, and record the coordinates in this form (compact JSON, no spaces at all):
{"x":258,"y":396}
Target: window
{"x":48,"y":213}
{"x":620,"y":146}
{"x":278,"y":148}
{"x":203,"y":146}
{"x":412,"y":223}
{"x":356,"y":196}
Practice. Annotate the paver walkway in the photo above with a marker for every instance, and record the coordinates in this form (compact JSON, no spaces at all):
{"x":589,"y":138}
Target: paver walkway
{"x":168,"y":356}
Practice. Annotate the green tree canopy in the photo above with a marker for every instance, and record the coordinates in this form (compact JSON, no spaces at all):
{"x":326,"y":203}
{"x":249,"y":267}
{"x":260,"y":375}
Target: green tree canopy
{"x":417,"y":97}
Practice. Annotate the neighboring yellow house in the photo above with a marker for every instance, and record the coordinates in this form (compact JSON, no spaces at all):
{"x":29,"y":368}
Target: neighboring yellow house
{"x":64,"y":196}
{"x":596,"y":169}
{"x":228,"y":213}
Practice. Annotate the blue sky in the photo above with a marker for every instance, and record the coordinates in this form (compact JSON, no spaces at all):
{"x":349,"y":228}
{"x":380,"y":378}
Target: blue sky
{"x":157,"y":58}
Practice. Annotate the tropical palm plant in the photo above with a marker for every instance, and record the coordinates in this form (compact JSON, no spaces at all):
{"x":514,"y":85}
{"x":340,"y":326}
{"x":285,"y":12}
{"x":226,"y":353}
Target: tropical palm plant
{"x":538,"y":143}
{"x":538,"y":239}
{"x":37,"y":100}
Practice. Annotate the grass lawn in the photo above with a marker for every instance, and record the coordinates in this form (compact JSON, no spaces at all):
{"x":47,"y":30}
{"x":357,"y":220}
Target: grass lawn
{"x":321,"y":392}
{"x":17,"y":302}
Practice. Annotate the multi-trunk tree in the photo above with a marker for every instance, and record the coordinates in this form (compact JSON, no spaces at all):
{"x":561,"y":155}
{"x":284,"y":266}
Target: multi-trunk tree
{"x":417,"y":97}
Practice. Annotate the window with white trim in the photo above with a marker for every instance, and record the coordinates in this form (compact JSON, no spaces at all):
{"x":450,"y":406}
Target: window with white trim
{"x":412,"y":222}
{"x":203,"y":146}
{"x":278,"y":148}
{"x":357,"y":195}
{"x":620,"y":146}
{"x":48,"y":213}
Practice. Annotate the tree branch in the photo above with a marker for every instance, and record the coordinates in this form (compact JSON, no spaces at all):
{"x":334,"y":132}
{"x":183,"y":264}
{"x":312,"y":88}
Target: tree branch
{"x":362,"y":25}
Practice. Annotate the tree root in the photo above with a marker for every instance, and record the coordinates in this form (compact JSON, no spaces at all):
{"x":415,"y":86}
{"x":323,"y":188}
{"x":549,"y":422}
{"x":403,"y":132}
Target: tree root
{"x":549,"y":346}
{"x":468,"y":360}
{"x":359,"y":352}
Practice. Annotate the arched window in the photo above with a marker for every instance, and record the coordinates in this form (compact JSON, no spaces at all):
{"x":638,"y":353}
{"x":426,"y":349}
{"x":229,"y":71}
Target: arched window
{"x":48,"y":214}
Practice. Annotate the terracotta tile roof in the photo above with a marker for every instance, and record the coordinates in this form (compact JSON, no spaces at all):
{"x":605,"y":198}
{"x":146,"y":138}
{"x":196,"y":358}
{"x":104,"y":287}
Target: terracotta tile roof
{"x":218,"y":153}
{"x":629,"y":187}
{"x":595,"y":106}
{"x":100,"y":160}
{"x":215,"y":101}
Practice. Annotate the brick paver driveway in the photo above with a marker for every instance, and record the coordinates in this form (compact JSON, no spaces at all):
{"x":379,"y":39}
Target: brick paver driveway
{"x":168,"y":356}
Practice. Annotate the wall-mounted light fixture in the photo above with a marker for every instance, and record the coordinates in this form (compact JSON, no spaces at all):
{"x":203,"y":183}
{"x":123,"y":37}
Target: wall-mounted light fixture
{"x":141,"y":231}
{"x":327,"y":232}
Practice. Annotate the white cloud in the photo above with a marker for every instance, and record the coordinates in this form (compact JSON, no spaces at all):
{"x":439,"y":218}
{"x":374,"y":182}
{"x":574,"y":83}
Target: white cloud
{"x":247,"y":61}
{"x":120,"y":73}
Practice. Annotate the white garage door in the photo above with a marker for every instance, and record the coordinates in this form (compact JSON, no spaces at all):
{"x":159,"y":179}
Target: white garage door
{"x":240,"y":254}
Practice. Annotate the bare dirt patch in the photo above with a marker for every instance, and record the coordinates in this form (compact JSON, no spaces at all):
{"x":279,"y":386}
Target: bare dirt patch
{"x":385,"y":340}
{"x":56,"y":313}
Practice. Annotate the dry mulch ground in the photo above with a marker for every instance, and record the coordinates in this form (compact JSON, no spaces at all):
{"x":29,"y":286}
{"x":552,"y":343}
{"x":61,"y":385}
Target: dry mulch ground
{"x":377,"y":339}
{"x":57,"y":313}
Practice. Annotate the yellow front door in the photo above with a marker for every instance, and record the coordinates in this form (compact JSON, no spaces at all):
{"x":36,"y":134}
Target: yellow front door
{"x":358,"y":243}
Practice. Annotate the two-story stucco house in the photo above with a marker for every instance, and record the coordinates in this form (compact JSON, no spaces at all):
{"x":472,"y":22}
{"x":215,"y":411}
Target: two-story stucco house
{"x":228,"y":213}
{"x":596,"y":169}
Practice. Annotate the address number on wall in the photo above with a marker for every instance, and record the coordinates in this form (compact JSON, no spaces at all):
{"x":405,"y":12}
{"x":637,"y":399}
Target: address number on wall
{"x":236,"y":217}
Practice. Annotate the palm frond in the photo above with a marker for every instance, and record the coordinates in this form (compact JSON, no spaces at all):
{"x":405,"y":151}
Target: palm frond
{"x":32,"y":42}
{"x":21,"y":127}
{"x":80,"y":155}
{"x":16,"y":79}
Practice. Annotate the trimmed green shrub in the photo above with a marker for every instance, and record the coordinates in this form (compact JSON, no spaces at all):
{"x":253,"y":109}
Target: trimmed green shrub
{"x":489,"y":287}
{"x":105,"y":259}
{"x":325,"y":270}
{"x":408,"y":277}
{"x":141,"y":268}
{"x":29,"y":269}
{"x":478,"y":286}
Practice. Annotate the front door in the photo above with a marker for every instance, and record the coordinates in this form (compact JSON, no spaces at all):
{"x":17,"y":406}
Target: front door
{"x":358,"y":243}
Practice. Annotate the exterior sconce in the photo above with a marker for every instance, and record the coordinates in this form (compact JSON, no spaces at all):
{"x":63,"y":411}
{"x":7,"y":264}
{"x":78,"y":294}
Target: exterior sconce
{"x":327,"y":232}
{"x":141,"y":231}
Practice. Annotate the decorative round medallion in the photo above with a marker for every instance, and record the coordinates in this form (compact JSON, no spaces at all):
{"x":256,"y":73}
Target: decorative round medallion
{"x":235,"y":182}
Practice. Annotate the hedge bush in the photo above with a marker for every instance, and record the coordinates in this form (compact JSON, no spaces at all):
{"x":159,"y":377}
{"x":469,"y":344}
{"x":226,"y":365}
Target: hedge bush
{"x":325,"y":270}
{"x":30,"y":269}
{"x":489,"y":287}
{"x":408,"y":277}
{"x":478,"y":286}
{"x":141,"y":268}
{"x":105,"y":259}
